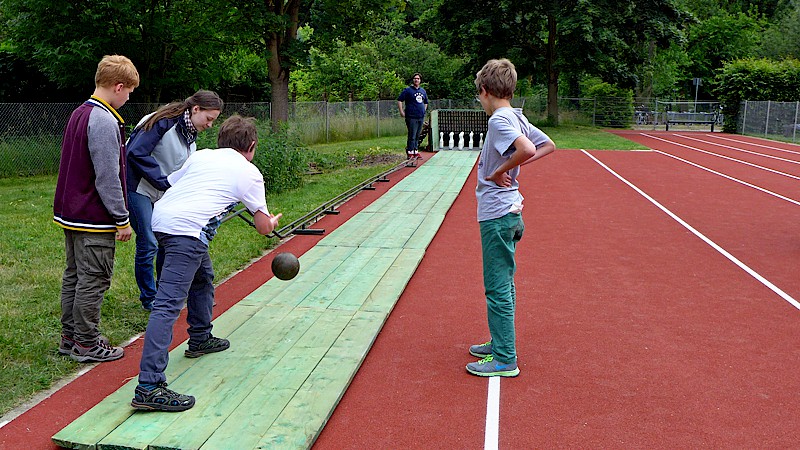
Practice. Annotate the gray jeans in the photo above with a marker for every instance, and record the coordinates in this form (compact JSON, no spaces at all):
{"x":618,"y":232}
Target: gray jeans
{"x":90,"y":264}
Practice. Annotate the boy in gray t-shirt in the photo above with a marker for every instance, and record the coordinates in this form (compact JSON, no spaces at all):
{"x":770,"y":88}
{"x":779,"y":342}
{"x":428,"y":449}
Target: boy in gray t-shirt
{"x":511,"y":141}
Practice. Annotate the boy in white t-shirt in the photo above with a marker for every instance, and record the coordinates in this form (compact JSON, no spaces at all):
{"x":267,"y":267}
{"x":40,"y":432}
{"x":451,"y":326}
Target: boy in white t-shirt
{"x":185,"y":219}
{"x":511,"y":141}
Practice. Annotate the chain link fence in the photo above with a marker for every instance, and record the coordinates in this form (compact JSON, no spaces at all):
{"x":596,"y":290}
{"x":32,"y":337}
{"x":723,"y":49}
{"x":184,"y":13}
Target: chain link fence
{"x":773,"y":120}
{"x":30,"y":133}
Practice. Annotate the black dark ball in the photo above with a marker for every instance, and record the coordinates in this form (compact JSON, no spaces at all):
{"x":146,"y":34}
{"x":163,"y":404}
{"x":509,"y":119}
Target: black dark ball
{"x":285,"y":266}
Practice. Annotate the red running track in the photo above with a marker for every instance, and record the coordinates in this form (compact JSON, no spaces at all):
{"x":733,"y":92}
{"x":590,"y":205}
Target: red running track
{"x":632,"y":331}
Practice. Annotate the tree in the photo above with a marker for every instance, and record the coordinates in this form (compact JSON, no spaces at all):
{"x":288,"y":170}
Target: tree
{"x":172,"y":42}
{"x":545,"y":38}
{"x":782,"y":39}
{"x":270,"y":29}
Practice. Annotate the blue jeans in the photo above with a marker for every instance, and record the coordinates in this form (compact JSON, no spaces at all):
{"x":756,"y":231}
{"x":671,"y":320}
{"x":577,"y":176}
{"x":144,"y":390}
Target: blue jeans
{"x":187,"y":274}
{"x":141,"y":209}
{"x":414,"y":125}
{"x":499,"y":238}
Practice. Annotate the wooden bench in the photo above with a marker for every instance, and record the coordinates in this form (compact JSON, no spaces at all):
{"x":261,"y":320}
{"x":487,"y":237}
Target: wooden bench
{"x":295,"y":346}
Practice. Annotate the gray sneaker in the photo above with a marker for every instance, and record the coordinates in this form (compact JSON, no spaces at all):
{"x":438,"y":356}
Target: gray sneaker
{"x":65,"y":348}
{"x":101,"y":352}
{"x":489,"y":367}
{"x":481,"y":350}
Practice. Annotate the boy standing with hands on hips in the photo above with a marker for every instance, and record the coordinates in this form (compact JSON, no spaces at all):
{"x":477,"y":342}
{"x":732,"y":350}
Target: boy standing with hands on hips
{"x":511,"y":141}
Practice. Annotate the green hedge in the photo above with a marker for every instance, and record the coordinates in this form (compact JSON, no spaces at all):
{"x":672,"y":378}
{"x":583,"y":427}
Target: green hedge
{"x":755,"y":79}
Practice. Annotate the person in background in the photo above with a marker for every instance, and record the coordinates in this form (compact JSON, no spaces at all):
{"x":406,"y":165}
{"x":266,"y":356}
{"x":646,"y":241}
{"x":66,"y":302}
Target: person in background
{"x":90,"y":206}
{"x":413,"y":102}
{"x":159,"y":145}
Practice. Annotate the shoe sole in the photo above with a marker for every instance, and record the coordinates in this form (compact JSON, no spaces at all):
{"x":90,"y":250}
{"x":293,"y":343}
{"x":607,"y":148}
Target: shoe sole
{"x":479,"y":355}
{"x":93,"y":359}
{"x":199,"y":353}
{"x":159,"y":407}
{"x":505,"y":373}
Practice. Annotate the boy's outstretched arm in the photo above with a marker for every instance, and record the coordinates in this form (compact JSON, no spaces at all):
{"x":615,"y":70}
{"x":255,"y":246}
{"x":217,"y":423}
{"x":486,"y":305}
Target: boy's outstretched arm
{"x":265,"y":224}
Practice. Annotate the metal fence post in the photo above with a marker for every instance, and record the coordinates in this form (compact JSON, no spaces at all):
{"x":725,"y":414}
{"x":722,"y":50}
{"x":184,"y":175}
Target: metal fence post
{"x":766,"y":122}
{"x":327,"y":124}
{"x":378,"y":118}
{"x":744,"y":118}
{"x":794,"y":126}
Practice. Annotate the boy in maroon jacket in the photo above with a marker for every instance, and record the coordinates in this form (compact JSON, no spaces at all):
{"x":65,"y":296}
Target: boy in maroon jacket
{"x":90,"y":206}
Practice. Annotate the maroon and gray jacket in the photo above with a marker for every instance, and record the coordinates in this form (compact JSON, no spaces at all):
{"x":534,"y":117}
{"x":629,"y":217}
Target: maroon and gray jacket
{"x":90,"y":192}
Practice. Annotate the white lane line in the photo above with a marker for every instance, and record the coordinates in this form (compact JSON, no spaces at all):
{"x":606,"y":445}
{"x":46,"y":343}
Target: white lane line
{"x":700,"y":235}
{"x":492,"y":436}
{"x":757,"y":145}
{"x":741,"y":149}
{"x":759,"y":188}
{"x":778,"y":172}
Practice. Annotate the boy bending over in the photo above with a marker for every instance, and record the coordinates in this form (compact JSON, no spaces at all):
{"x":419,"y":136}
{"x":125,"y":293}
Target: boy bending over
{"x":185,"y":219}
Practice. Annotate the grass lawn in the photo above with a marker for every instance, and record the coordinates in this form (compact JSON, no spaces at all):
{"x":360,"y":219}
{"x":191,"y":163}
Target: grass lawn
{"x":32,"y":255}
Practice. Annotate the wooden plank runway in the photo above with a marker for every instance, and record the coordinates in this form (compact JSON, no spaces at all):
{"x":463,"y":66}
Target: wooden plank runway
{"x":296,"y":345}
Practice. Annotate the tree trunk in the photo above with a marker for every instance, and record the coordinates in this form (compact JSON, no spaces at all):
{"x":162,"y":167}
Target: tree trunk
{"x":552,"y":72}
{"x":279,"y":73}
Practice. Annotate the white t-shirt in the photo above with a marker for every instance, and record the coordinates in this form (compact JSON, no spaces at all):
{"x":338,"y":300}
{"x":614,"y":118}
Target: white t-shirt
{"x":207,"y":187}
{"x":505,"y":126}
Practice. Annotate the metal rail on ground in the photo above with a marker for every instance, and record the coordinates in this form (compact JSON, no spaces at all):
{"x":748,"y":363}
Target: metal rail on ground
{"x":300,"y":226}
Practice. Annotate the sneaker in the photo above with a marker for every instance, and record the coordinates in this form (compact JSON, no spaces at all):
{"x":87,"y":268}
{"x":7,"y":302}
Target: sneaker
{"x":65,"y":348}
{"x":160,"y":399}
{"x":212,"y":345}
{"x":481,"y":350}
{"x":147,"y":305}
{"x":100,"y":352}
{"x":488,"y":367}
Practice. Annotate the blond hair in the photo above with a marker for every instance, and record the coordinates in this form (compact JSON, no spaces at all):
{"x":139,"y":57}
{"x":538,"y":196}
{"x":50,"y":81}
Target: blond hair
{"x":114,"y":69}
{"x":498,"y":77}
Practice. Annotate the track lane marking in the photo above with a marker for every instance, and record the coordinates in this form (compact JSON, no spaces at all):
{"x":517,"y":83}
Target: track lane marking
{"x":750,"y":185}
{"x":777,"y":172}
{"x":788,"y":298}
{"x":492,"y":434}
{"x":758,"y":145}
{"x":740,"y":149}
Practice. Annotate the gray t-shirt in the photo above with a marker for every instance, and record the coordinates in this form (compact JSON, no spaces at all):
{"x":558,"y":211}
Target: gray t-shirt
{"x":505,"y":126}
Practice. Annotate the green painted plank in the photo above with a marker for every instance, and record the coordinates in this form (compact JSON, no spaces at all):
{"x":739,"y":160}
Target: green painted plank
{"x":274,"y":287}
{"x":336,"y":281}
{"x":206,"y":379}
{"x":353,"y":232}
{"x":301,"y":334}
{"x":396,"y":232}
{"x":358,"y":290}
{"x":384,"y":296}
{"x":91,"y":427}
{"x":246,"y":425}
{"x":303,"y":418}
{"x":424,"y":234}
{"x":323,"y":261}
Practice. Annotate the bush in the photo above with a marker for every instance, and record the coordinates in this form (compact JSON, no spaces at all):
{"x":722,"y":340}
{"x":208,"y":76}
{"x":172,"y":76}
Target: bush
{"x":614,"y":107}
{"x":281,"y":160}
{"x":755,"y":79}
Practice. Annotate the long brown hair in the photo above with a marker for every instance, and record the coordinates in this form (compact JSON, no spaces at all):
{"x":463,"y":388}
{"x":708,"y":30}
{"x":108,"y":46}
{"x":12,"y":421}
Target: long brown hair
{"x":204,"y":99}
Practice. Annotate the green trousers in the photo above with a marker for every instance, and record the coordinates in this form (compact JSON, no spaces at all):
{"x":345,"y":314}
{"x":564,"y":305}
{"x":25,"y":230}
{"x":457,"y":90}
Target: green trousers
{"x":499,"y":239}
